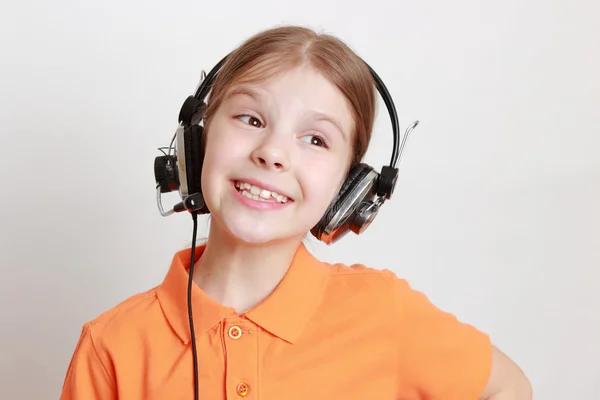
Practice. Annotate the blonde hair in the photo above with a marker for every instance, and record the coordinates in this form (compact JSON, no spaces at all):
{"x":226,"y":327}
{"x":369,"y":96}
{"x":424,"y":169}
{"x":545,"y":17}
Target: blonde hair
{"x":278,"y":49}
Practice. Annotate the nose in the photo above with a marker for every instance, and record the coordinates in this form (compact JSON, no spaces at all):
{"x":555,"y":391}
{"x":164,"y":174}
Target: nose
{"x":272,"y":153}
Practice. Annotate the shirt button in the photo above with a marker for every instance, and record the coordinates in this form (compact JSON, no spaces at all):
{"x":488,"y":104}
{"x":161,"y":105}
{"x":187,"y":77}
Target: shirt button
{"x":235,"y":332}
{"x":243,"y":389}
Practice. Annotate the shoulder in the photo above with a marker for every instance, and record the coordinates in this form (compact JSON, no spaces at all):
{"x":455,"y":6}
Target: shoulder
{"x":385,"y":283}
{"x":107,"y":338}
{"x":132,"y":318}
{"x":352,"y":277}
{"x":367,"y":287}
{"x":127,"y":312}
{"x":383,"y":290}
{"x":359,"y":275}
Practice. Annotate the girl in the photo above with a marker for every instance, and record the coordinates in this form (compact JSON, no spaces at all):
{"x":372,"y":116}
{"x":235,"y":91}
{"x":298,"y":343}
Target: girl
{"x":289,"y":114}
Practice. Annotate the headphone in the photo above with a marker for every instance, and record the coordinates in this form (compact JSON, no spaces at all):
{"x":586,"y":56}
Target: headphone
{"x":361,"y":196}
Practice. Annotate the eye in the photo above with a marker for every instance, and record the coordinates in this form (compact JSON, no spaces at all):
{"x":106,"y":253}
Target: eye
{"x":315,"y":140}
{"x":250,"y":120}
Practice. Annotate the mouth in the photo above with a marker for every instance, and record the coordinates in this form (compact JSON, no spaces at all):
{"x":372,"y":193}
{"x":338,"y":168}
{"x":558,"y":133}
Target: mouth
{"x":258,"y":193}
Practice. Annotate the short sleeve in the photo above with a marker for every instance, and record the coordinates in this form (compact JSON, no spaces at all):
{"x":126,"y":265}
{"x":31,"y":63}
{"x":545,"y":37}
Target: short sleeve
{"x":86,"y":377}
{"x":439,"y":356}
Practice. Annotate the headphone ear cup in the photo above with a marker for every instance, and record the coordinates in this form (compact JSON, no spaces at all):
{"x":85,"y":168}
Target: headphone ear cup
{"x":346,"y":198}
{"x":194,"y":155}
{"x":193,"y":166}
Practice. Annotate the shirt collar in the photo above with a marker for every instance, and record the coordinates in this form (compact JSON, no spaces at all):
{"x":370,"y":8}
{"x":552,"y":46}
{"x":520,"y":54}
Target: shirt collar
{"x":284,"y":313}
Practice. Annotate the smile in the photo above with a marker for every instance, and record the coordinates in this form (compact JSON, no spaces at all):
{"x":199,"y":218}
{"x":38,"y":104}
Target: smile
{"x":258,"y":193}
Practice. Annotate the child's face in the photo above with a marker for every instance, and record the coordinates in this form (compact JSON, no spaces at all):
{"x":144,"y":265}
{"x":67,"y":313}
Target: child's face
{"x":290,"y":134}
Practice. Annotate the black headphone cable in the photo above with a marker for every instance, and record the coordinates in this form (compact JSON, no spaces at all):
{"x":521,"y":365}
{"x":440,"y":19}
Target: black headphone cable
{"x":189,"y":304}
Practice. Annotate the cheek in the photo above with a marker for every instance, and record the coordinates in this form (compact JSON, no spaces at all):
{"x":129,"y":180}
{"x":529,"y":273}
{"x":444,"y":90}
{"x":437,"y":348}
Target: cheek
{"x":212,"y":162}
{"x":321,"y":185}
{"x":221,"y":149}
{"x":215,"y":164}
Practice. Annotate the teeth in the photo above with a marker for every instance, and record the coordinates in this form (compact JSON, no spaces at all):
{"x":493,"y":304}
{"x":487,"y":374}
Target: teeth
{"x":256,"y":193}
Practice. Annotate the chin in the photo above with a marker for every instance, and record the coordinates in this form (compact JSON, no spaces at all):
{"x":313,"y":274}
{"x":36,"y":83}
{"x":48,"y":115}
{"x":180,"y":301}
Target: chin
{"x":252,"y":227}
{"x":256,"y":236}
{"x":260,"y":231}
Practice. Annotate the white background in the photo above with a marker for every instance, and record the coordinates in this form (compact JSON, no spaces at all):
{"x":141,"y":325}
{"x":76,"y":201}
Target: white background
{"x":495,"y":216}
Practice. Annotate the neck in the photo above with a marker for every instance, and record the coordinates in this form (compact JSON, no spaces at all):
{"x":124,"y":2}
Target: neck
{"x":241,"y":275}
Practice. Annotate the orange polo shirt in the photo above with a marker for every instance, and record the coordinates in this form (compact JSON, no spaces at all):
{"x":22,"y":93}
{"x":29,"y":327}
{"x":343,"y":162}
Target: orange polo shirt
{"x":326,"y":332}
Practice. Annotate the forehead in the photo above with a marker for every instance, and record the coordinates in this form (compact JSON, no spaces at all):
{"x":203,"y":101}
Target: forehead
{"x":302,"y":89}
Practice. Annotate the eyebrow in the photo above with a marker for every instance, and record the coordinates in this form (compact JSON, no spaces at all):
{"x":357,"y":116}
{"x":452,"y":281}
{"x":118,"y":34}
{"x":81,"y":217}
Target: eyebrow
{"x":319,"y":116}
{"x":243,"y":90}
